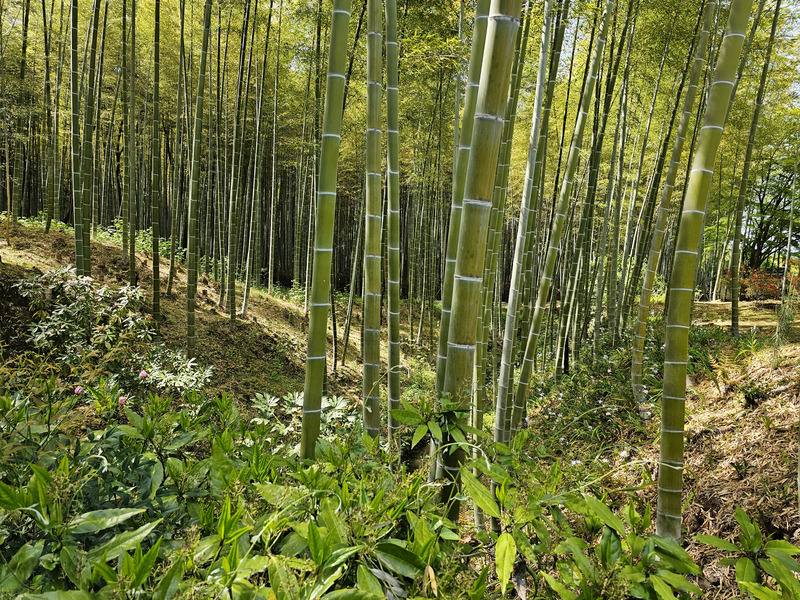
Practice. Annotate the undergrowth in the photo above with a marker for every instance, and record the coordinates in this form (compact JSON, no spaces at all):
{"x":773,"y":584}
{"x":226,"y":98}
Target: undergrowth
{"x":121,"y":477}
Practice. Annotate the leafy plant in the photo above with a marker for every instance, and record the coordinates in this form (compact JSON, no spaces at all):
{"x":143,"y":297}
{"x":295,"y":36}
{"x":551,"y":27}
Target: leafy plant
{"x":758,"y":561}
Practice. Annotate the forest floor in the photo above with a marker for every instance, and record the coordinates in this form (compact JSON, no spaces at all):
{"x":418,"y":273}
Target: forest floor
{"x":742,"y":411}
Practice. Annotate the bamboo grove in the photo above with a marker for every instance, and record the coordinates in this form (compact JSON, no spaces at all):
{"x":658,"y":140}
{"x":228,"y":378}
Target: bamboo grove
{"x":382,"y":149}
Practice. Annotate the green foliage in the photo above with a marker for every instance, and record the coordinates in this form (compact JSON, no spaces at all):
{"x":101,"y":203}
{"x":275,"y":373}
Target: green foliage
{"x":765,"y":569}
{"x":574,"y":545}
{"x":158,"y":502}
{"x":96,"y":336}
{"x":75,"y":322}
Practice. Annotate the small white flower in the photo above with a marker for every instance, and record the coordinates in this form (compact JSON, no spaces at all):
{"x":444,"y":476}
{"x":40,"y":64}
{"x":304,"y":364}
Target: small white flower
{"x":624,"y":454}
{"x":574,"y":462}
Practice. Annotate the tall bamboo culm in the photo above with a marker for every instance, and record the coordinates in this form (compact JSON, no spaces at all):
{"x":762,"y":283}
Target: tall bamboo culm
{"x":155,"y":191}
{"x":194,"y":191}
{"x":371,"y":334}
{"x":681,"y":284}
{"x":501,"y":35}
{"x":393,"y":210}
{"x":323,"y":233}
{"x":77,"y":189}
{"x":460,"y":168}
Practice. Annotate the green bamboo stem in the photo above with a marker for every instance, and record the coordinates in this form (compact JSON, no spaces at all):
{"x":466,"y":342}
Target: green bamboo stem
{"x":681,"y":285}
{"x":130,"y":151}
{"x":459,"y":175}
{"x":155,"y":191}
{"x":323,"y":234}
{"x":194,"y":192}
{"x":77,"y":189}
{"x":87,"y":153}
{"x":393,"y":207}
{"x":476,"y":211}
{"x":371,"y":336}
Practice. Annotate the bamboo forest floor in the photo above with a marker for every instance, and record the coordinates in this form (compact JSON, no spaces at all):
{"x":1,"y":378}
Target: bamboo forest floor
{"x":742,"y":410}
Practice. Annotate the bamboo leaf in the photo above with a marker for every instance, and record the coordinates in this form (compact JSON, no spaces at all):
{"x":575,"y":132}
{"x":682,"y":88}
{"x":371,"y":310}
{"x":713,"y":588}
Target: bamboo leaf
{"x":479,"y":494}
{"x":505,"y":553}
{"x":605,"y":514}
{"x":662,"y":589}
{"x":419,"y":434}
{"x":97,"y":520}
{"x":759,"y":591}
{"x":436,"y":431}
{"x":746,"y":571}
{"x":713,"y":540}
{"x":406,"y":417}
{"x":678,"y":581}
{"x":398,"y":559}
{"x":123,"y":542}
{"x":559,"y":588}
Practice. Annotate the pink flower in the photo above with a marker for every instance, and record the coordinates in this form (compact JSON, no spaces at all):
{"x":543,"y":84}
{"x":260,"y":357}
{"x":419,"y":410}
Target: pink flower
{"x":122,"y":400}
{"x":78,"y":389}
{"x":143,"y":374}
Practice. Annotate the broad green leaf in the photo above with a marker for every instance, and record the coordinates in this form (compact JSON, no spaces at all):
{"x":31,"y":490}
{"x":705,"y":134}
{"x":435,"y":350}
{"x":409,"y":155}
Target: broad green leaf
{"x":746,"y":571}
{"x":458,"y":435}
{"x":478,"y":492}
{"x":339,"y":556}
{"x":283,"y":581}
{"x":398,"y":559}
{"x":337,"y":532}
{"x":21,"y":566}
{"x":759,"y":591}
{"x":368,"y":582}
{"x":436,"y":431}
{"x":279,"y":495}
{"x":678,"y":581}
{"x":97,"y":520}
{"x":122,"y":542}
{"x":605,"y":514}
{"x":145,"y":565}
{"x":781,"y":546}
{"x":101,"y":569}
{"x":787,"y":561}
{"x":713,"y":540}
{"x":668,"y":548}
{"x":68,"y":564}
{"x":662,"y":589}
{"x":406,"y":417}
{"x":752,"y":534}
{"x":315,"y":544}
{"x":322,"y":586}
{"x":419,"y":434}
{"x":170,"y":582}
{"x":559,"y":588}
{"x":61,"y":595}
{"x":610,"y":548}
{"x":505,"y":553}
{"x":524,"y":546}
{"x":448,"y":534}
{"x":10,"y":499}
